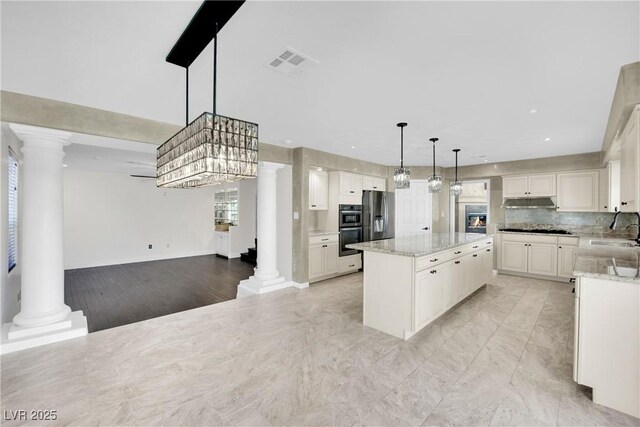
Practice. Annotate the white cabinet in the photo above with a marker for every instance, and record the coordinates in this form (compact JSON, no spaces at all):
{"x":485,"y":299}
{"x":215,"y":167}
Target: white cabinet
{"x":530,"y":254}
{"x":350,"y":184}
{"x":222,"y":243}
{"x":514,"y":256}
{"x":349,"y":263}
{"x":578,"y":191}
{"x":566,"y":260}
{"x":318,"y":190}
{"x":374,"y":183}
{"x":543,"y":185}
{"x":610,"y":187}
{"x":630,"y":164}
{"x":543,"y":259}
{"x":487,"y":264}
{"x":429,"y":295}
{"x":458,"y":281}
{"x":323,"y":259}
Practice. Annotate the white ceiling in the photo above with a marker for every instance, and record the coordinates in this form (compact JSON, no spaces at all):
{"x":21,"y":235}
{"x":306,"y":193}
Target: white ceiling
{"x":467,"y":72}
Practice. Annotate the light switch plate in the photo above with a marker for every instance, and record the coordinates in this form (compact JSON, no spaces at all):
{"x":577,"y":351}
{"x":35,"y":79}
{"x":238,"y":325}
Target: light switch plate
{"x":296,"y":215}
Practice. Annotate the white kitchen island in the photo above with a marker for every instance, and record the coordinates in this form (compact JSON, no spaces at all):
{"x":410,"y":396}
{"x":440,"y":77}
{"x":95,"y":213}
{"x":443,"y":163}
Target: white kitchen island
{"x":412,"y":280}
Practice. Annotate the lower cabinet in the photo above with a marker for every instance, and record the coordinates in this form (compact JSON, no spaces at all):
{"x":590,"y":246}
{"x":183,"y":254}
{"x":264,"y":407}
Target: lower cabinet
{"x":540,"y":255}
{"x":445,"y":281}
{"x":323,"y":259}
{"x":222,"y":243}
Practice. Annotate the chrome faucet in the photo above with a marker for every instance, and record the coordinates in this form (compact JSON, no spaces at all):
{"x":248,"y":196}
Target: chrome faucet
{"x":615,"y":222}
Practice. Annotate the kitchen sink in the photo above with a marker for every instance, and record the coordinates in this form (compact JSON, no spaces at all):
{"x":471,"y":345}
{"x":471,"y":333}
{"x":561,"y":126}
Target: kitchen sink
{"x":614,"y":244}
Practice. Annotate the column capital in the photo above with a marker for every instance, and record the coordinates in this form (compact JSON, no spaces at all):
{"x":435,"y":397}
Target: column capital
{"x":35,"y":133}
{"x":270,"y":165}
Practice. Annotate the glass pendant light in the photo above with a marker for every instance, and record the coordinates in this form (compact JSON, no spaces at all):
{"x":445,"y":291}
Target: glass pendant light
{"x":435,"y":181}
{"x":401,"y":175}
{"x":455,"y":187}
{"x":212,"y":149}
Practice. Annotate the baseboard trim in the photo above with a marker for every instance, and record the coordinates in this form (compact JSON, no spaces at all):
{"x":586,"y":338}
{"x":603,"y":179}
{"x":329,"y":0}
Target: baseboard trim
{"x":535,"y":276}
{"x":133,"y":260}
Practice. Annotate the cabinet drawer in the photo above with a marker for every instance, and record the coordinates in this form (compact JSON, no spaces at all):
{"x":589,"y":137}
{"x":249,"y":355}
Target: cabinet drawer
{"x":429,"y":260}
{"x":316,"y":240}
{"x":568,"y":241}
{"x":456,"y":252}
{"x":475,"y":246}
{"x":349,"y":263}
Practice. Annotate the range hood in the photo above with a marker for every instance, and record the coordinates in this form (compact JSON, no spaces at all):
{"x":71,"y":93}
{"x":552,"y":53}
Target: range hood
{"x":529,"y":203}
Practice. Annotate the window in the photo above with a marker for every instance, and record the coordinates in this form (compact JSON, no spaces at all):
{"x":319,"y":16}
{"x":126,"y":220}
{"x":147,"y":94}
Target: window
{"x":12,"y":234}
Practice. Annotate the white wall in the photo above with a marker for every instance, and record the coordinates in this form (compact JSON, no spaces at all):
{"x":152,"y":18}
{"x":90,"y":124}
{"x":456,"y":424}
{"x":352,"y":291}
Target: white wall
{"x":112,"y":218}
{"x":9,"y":282}
{"x":285,"y":221}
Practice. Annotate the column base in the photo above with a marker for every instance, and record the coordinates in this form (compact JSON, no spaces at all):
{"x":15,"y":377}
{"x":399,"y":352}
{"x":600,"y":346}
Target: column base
{"x":16,"y":338}
{"x":255,"y":286}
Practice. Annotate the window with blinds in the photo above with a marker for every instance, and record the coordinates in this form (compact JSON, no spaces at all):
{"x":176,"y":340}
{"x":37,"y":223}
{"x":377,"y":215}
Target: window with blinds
{"x":12,"y":237}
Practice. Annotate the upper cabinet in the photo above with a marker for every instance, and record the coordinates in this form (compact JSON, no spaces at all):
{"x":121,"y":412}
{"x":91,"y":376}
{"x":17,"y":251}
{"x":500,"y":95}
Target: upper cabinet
{"x":610,"y":187}
{"x":318,"y":190}
{"x":578,"y":191}
{"x":374,"y":183}
{"x":350,"y":184}
{"x":543,"y":185}
{"x":630,"y":164}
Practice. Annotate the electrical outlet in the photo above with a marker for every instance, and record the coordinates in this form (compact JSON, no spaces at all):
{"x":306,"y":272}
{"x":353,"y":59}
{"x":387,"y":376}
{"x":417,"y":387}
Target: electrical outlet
{"x":150,"y":246}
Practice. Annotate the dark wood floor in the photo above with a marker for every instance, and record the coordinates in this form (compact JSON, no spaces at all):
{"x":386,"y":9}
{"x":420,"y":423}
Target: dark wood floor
{"x":121,"y":294}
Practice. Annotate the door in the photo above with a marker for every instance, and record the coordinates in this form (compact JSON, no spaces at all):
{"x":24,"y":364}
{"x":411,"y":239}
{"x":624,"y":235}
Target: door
{"x":487,"y":266}
{"x":578,"y":191}
{"x":542,"y":185}
{"x":514,"y":256}
{"x":566,"y":260}
{"x":515,"y":186}
{"x":316,"y":263}
{"x":318,"y":190}
{"x":350,"y":184}
{"x":543,"y":259}
{"x":435,"y":291}
{"x":413,"y":209}
{"x":459,"y":280}
{"x":448,"y":289}
{"x":476,"y":278}
{"x":330,"y":258}
{"x":422,"y":298}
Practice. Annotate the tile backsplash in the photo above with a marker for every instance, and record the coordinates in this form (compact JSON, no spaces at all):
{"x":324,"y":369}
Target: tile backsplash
{"x":585,"y":222}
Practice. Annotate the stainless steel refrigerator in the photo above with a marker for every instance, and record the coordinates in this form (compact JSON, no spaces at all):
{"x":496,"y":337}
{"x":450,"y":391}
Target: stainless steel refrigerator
{"x":378,"y":215}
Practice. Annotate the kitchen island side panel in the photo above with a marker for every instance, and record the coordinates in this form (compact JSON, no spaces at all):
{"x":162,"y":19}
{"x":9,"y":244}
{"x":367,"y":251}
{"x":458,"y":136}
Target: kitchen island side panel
{"x":388,"y":293}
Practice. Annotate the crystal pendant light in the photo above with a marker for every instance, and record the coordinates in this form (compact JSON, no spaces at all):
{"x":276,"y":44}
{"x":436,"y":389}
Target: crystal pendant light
{"x":455,"y":187}
{"x":212,"y":149}
{"x":401,"y":176}
{"x":434,"y":183}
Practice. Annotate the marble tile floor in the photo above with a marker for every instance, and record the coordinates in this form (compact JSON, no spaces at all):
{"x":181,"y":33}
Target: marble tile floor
{"x":302,"y":357}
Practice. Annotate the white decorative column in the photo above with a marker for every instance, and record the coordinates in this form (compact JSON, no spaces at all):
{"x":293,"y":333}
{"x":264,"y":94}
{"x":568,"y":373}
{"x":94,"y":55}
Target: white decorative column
{"x":266,"y":277}
{"x":43,"y":317}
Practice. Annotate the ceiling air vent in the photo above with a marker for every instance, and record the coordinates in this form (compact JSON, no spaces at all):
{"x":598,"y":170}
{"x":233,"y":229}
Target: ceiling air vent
{"x":292,"y":62}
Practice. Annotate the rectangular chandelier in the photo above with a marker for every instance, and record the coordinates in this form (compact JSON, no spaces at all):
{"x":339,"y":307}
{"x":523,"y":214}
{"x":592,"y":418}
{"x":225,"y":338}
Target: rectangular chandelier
{"x":212,"y":149}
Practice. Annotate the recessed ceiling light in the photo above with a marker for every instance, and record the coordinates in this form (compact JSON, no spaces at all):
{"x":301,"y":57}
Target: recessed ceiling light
{"x":353,"y":147}
{"x":64,"y":166}
{"x":547,"y":139}
{"x":485,"y":160}
{"x":287,"y":141}
{"x":533,"y":111}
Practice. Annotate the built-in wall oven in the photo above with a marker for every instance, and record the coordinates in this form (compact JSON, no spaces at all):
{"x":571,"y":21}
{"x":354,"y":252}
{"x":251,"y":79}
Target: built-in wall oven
{"x":350,"y":223}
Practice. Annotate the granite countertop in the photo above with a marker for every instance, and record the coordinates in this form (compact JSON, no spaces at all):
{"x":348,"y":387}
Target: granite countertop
{"x":607,"y":262}
{"x":323,"y":233}
{"x":419,"y":244}
{"x":533,"y":233}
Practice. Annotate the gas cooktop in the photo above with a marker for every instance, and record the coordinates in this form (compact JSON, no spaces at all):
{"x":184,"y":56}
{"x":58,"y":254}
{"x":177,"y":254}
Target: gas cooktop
{"x":532,"y":230}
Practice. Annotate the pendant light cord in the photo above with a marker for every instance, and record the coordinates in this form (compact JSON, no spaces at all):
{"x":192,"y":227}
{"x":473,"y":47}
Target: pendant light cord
{"x":456,"y":166}
{"x":402,"y":147}
{"x":434,"y":159}
{"x":215,"y":67}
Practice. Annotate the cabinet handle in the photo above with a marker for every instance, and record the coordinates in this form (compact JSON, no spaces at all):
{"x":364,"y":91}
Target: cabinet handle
{"x":475,"y":247}
{"x":324,"y":240}
{"x":352,"y":192}
{"x":457,"y":262}
{"x":559,"y":247}
{"x":488,"y":250}
{"x":433,"y":260}
{"x":433,"y":271}
{"x":489,"y":243}
{"x":457,"y":252}
{"x":352,"y":265}
{"x":475,"y":255}
{"x":324,"y":246}
{"x":313,"y":206}
{"x":375,"y":187}
{"x":623,"y":203}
